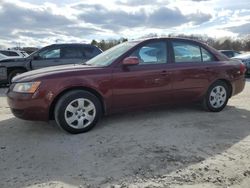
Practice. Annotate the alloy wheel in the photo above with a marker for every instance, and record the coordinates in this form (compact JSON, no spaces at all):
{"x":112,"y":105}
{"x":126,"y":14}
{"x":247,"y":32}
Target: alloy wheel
{"x":218,"y":97}
{"x":80,"y":113}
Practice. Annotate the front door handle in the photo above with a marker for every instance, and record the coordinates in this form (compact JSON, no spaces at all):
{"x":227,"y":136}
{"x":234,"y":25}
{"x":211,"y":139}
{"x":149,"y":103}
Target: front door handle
{"x":207,"y":68}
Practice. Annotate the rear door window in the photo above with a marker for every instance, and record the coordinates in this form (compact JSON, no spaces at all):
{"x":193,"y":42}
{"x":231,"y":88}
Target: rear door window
{"x":9,"y":53}
{"x":72,"y":52}
{"x":91,"y":51}
{"x":192,"y":53}
{"x":185,"y":52}
{"x":207,"y":56}
{"x":13,"y":54}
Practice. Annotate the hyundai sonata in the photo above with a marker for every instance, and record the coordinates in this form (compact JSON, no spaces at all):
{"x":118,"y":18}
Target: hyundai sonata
{"x":131,"y":75}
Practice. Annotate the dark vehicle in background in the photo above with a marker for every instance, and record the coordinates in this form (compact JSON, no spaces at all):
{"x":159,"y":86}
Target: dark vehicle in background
{"x":244,"y":58}
{"x":131,"y":75}
{"x":53,"y":55}
{"x":230,"y":53}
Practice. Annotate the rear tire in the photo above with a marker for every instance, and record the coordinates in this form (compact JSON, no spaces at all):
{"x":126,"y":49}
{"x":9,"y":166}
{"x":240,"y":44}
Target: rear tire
{"x":216,"y":97}
{"x":77,"y":111}
{"x":14,"y":73}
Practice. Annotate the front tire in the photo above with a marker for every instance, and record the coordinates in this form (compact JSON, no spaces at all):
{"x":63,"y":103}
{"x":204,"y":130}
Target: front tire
{"x":216,"y":97}
{"x":77,"y":111}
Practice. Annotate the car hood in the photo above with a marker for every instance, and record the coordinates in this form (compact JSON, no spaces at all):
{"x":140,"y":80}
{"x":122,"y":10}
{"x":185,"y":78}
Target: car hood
{"x":36,"y":74}
{"x":242,"y":56}
{"x":12,"y":59}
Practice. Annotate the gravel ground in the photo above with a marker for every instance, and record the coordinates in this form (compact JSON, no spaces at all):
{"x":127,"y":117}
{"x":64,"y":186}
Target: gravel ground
{"x":173,"y":147}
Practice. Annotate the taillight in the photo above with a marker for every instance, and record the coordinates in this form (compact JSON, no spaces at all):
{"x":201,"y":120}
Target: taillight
{"x":242,"y":68}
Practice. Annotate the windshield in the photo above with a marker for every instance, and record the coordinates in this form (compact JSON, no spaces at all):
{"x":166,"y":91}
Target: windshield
{"x":108,"y":57}
{"x":2,"y":56}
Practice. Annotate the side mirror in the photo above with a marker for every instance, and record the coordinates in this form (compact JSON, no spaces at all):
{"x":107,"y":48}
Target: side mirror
{"x":130,"y":61}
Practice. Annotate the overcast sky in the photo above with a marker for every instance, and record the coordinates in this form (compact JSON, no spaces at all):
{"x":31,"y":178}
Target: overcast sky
{"x":39,"y":23}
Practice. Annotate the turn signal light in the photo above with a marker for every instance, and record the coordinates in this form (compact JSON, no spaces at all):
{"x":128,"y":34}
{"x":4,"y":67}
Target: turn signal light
{"x":242,"y":68}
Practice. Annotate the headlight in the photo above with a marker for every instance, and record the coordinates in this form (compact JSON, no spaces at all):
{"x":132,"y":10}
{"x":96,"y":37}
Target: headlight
{"x":28,"y":87}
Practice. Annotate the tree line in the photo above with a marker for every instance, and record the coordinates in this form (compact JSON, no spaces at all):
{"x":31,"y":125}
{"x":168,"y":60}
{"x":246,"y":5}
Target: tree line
{"x":106,"y":44}
{"x":226,"y":43}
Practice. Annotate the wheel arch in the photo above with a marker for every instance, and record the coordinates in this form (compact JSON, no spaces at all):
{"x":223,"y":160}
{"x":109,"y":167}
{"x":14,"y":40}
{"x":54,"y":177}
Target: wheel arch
{"x":91,"y":90}
{"x":10,"y":69}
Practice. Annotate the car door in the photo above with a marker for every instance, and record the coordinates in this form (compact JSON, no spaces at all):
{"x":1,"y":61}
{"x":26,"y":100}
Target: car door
{"x":47,"y":57}
{"x":146,"y":84}
{"x":191,"y":75}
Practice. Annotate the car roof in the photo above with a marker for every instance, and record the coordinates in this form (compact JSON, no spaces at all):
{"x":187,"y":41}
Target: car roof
{"x":9,"y":50}
{"x":156,"y":38}
{"x":71,"y":44}
{"x":167,"y":38}
{"x":228,"y":51}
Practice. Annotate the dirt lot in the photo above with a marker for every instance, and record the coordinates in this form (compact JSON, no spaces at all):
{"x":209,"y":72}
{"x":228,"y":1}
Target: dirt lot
{"x":173,"y":147}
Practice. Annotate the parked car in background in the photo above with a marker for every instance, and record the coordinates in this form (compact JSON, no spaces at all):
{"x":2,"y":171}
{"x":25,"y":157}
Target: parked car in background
{"x":53,"y":55}
{"x":245,"y":58}
{"x":230,"y":53}
{"x":135,"y":74}
{"x":14,"y":53}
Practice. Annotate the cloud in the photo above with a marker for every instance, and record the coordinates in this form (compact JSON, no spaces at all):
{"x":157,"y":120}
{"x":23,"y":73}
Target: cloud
{"x":112,"y":19}
{"x":20,"y":24}
{"x":117,"y":20}
{"x":199,"y":18}
{"x":31,"y":22}
{"x":200,"y":0}
{"x":23,"y":18}
{"x":241,"y":29}
{"x":140,"y":2}
{"x":165,"y":17}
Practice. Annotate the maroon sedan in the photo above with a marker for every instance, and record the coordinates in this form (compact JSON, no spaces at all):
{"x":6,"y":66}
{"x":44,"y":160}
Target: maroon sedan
{"x":131,"y":75}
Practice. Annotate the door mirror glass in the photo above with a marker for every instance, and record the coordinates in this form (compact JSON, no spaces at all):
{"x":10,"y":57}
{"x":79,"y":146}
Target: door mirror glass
{"x":130,"y":61}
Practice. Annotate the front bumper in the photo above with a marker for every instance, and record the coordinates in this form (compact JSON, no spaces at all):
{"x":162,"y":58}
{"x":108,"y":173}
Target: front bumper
{"x":28,"y":106}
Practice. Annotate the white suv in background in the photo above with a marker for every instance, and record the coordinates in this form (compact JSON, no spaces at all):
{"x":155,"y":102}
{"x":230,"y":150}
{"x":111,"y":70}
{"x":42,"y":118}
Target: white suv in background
{"x":13,"y":53}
